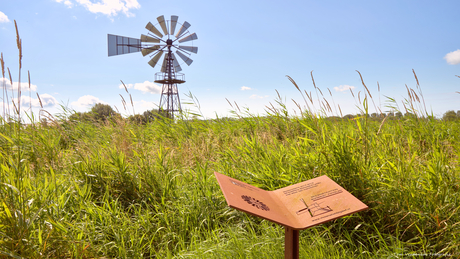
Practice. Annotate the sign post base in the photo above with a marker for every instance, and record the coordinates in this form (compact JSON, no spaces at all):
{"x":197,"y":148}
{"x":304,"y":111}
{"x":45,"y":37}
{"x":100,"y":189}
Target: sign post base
{"x":291,"y":243}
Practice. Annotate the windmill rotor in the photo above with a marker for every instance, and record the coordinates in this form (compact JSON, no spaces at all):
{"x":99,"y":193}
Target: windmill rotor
{"x":166,"y":39}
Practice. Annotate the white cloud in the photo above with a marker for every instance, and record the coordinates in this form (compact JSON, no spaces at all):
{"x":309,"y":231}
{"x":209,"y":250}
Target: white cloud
{"x":255,"y":96}
{"x":46,"y":99}
{"x":106,"y":7}
{"x":243,"y":88}
{"x":146,"y":104}
{"x":453,"y":57}
{"x":145,"y":87}
{"x":3,"y":17}
{"x":24,"y":85}
{"x":87,"y":100}
{"x":66,"y":2}
{"x":342,"y":88}
{"x":129,"y":86}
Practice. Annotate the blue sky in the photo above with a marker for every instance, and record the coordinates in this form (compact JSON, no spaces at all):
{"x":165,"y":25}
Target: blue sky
{"x":246,"y":49}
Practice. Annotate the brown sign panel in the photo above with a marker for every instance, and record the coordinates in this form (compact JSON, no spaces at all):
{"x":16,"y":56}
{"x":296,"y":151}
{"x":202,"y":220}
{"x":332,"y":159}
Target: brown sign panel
{"x":298,"y":206}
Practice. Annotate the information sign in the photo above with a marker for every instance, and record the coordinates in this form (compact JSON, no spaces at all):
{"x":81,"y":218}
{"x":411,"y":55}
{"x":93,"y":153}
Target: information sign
{"x":296,"y":207}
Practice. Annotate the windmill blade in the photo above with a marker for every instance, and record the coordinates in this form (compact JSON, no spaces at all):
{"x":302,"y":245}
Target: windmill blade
{"x":155,"y":59}
{"x":154,"y":30}
{"x":146,"y":51}
{"x":189,"y":38}
{"x":176,"y":63}
{"x":145,"y":38}
{"x":118,"y":45}
{"x":163,"y":66}
{"x":174,"y":19}
{"x":183,"y":29}
{"x":189,"y":49}
{"x":186,"y":59}
{"x":161,"y":20}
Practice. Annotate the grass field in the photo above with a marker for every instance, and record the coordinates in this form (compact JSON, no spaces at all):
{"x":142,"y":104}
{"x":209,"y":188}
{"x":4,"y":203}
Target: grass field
{"x":119,"y":189}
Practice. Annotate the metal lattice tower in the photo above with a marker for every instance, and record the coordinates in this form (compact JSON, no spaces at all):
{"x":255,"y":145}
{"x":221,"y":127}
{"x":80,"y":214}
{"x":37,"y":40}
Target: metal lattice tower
{"x":169,"y":100}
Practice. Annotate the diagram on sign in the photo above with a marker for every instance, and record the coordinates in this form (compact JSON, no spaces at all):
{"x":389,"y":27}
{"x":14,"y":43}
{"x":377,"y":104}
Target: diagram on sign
{"x":314,"y":209}
{"x":256,"y":203}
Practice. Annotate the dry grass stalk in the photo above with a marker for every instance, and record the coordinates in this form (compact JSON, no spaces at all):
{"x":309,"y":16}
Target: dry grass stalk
{"x":298,"y":88}
{"x":381,"y":124}
{"x":273,"y":110}
{"x":311,"y":73}
{"x":415,"y":95}
{"x":309,"y":97}
{"x":316,"y":89}
{"x":351,"y":91}
{"x":416,"y":79}
{"x":420,"y":90}
{"x":328,"y":106}
{"x":3,"y":86}
{"x":229,"y":103}
{"x":49,"y":117}
{"x":126,"y":89}
{"x":132,"y":104}
{"x":320,"y":92}
{"x":409,"y":93}
{"x":293,"y":82}
{"x":11,"y":79}
{"x":362,"y":81}
{"x":367,"y":89}
{"x":3,"y":65}
{"x":123,"y":101}
{"x":40,"y":100}
{"x":380,"y":102}
{"x":279,"y":96}
{"x":340,"y":110}
{"x":237,"y":106}
{"x":30,"y":98}
{"x":14,"y":106}
{"x":405,"y":108}
{"x":19,"y":45}
{"x":300,"y":108}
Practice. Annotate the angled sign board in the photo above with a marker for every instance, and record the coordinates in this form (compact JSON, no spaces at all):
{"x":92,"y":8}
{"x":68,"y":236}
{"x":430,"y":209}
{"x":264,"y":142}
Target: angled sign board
{"x":296,"y":207}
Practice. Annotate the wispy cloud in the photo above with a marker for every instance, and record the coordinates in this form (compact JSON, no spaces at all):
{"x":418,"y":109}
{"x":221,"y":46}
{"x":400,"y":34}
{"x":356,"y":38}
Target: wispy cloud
{"x":86,"y":101}
{"x":145,"y":87}
{"x":106,"y":7}
{"x":453,"y":57}
{"x":342,"y":88}
{"x":255,"y":96}
{"x":68,"y":3}
{"x":24,"y":85}
{"x":46,"y":99}
{"x":244,"y":88}
{"x":3,"y":17}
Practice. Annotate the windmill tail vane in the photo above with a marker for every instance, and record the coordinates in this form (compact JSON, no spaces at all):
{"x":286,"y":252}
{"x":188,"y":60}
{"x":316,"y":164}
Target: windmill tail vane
{"x":168,"y":44}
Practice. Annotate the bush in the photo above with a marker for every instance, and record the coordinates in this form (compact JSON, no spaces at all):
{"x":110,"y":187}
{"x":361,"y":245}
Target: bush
{"x":449,"y":116}
{"x":102,"y":112}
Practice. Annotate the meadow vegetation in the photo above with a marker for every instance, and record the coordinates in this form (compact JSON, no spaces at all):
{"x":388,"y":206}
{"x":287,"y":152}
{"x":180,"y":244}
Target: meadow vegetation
{"x":83,"y":186}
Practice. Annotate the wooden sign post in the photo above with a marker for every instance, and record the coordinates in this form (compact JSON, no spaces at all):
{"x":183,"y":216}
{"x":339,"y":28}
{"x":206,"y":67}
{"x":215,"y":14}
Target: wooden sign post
{"x":296,"y":207}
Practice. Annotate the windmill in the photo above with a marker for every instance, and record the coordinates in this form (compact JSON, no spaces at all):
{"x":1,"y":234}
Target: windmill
{"x":154,"y":45}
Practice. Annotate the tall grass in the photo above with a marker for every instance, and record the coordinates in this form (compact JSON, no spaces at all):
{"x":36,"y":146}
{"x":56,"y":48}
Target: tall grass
{"x":117,"y":189}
